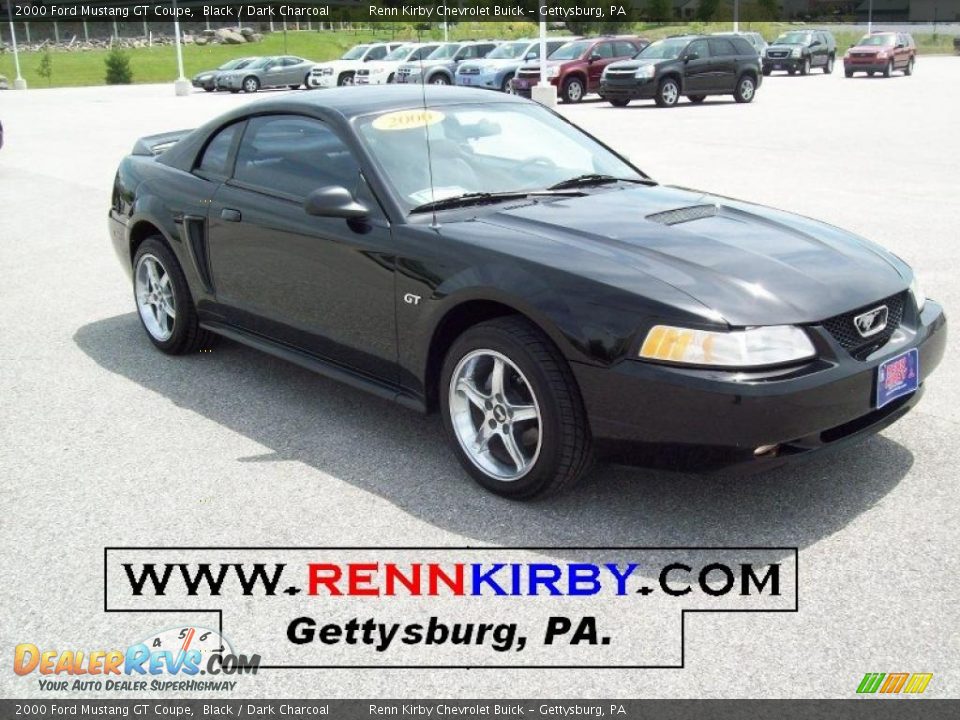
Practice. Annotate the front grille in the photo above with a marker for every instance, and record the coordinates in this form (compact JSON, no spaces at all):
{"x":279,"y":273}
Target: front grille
{"x":845,"y":332}
{"x":529,"y":73}
{"x":363,"y":73}
{"x":777,"y":54}
{"x":621,"y":72}
{"x":863,"y":55}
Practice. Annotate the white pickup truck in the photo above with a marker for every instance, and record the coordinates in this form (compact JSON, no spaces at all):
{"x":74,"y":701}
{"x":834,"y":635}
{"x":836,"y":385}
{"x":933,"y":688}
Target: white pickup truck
{"x":342,"y":71}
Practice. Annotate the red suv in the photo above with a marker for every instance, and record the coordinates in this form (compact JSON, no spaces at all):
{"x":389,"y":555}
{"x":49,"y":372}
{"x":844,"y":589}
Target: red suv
{"x":575,"y":68}
{"x":881,"y":52}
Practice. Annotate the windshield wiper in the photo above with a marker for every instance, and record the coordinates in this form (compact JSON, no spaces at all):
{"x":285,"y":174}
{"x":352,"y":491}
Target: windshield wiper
{"x":593,"y":179}
{"x":481,"y":198}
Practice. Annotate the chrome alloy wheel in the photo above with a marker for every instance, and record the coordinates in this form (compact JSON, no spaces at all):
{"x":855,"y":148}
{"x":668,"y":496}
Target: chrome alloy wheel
{"x":670,"y":93}
{"x":746,"y":89}
{"x":155,"y":299}
{"x":495,"y":415}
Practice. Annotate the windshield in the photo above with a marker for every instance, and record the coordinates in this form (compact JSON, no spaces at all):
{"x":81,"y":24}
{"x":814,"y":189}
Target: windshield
{"x":570,"y":51}
{"x":354,"y":53}
{"x":508,"y":51}
{"x":235,"y":63}
{"x":496,"y":148}
{"x":399,"y":53}
{"x":261,"y":63}
{"x":793,"y":38}
{"x":664,"y":49}
{"x":444,"y":52}
{"x":881,"y":40}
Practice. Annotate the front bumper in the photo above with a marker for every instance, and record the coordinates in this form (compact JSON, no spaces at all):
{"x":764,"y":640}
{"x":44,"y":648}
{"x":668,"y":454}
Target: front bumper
{"x":787,"y":63}
{"x":869,"y":65}
{"x":628,"y":89}
{"x":230,"y":83}
{"x":523,"y":86}
{"x":208,"y":83}
{"x":321,"y":81}
{"x":684,"y":418}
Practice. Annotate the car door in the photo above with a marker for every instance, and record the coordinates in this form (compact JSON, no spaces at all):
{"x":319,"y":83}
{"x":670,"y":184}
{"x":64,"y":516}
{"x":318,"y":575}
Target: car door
{"x":603,"y":54}
{"x":319,"y":284}
{"x":722,"y":70}
{"x":819,"y":50}
{"x":696,"y":68}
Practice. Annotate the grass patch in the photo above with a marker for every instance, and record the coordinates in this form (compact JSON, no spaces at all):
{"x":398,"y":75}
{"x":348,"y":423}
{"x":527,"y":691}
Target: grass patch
{"x":159,"y":64}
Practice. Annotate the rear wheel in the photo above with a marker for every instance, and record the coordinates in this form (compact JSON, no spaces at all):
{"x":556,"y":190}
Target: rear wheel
{"x":163,"y":300}
{"x":512,"y":410}
{"x":251,"y":84}
{"x":505,"y":85}
{"x":619,"y":102}
{"x":573,"y":90}
{"x":828,"y":68}
{"x":293,"y":87}
{"x":848,"y":73}
{"x":696,"y":99}
{"x":668,"y":93}
{"x":745,"y":90}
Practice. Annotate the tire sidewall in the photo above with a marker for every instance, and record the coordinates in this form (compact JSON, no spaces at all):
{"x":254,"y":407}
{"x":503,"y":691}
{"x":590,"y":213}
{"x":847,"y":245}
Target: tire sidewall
{"x":662,"y":101}
{"x":543,"y":471}
{"x":566,"y":90}
{"x":181,"y":293}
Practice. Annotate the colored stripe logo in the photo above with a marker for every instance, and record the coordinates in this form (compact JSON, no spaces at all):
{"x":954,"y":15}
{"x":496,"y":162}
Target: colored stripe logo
{"x":894,"y":683}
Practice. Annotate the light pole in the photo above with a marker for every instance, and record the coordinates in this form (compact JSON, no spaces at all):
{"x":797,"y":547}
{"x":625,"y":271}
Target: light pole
{"x":181,"y":86}
{"x":543,"y":92}
{"x":19,"y":83}
{"x":736,"y":15}
{"x":869,"y":17}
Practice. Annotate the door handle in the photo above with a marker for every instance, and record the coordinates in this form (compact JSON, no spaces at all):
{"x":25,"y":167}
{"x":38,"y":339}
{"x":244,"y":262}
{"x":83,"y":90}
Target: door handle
{"x":230,"y":215}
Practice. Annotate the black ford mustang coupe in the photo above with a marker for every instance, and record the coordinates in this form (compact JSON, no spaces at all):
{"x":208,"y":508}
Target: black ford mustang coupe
{"x":486,"y":258}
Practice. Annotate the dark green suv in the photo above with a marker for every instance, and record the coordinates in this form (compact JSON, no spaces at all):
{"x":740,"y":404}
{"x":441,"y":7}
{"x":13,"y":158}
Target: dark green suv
{"x":694,"y":66}
{"x":801,"y":51}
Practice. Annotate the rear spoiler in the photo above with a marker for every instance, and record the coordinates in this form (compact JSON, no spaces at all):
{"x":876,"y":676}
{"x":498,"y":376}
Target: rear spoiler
{"x":156,"y":144}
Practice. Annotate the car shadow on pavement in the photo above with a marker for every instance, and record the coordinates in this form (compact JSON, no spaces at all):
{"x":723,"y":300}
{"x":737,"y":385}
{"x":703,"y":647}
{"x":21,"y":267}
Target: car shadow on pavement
{"x":403,"y":457}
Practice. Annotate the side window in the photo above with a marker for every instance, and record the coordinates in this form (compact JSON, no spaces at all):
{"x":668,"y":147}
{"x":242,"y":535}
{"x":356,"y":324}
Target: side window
{"x":623,"y":49}
{"x":551,"y":46}
{"x":604,"y":50}
{"x":217,"y":153}
{"x":485,"y":50}
{"x":293,"y":155}
{"x":377,"y":53}
{"x":721,"y":47}
{"x":699,"y":47}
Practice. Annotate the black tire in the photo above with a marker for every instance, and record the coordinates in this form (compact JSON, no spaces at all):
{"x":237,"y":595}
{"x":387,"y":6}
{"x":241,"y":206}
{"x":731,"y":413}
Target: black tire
{"x":439,"y":79}
{"x":234,"y":91}
{"x":250,"y":84}
{"x":619,"y":102}
{"x":187,"y":336}
{"x":505,"y":85}
{"x":746,"y":89}
{"x":573,"y":90}
{"x":667,"y":99}
{"x":805,"y":68}
{"x":791,"y":71}
{"x":828,"y":68}
{"x":345,"y":79}
{"x":848,"y":73}
{"x":767,"y":71}
{"x":870,"y":73}
{"x":207,"y":89}
{"x":908,"y":70}
{"x":888,"y":70}
{"x":565,"y":442}
{"x":696,"y":99}
{"x":293,"y":87}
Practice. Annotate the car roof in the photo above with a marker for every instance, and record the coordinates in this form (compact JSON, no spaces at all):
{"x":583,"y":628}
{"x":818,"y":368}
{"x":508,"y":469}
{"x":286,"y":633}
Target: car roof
{"x":363,"y":99}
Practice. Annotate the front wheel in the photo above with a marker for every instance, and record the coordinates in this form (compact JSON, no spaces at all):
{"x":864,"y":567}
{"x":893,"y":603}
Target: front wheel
{"x":668,"y":93}
{"x":767,"y":71}
{"x":573,"y":90}
{"x":506,"y":85}
{"x":828,"y":68}
{"x":251,"y":85}
{"x":163,"y":300}
{"x":345,"y":79}
{"x":746,"y":89}
{"x":440,"y":79}
{"x":512,"y":410}
{"x":888,"y":70}
{"x":619,"y":102}
{"x":908,"y":70}
{"x":848,"y":73}
{"x":805,"y":68}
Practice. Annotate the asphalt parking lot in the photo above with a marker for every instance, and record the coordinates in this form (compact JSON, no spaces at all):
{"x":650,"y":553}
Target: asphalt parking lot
{"x":105,"y":441}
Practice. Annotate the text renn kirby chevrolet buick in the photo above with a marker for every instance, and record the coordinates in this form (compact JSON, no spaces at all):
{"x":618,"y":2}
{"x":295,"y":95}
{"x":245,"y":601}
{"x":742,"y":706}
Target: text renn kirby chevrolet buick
{"x":485,"y":257}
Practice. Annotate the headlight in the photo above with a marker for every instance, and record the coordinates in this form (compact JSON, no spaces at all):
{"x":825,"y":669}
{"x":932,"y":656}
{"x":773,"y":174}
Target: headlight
{"x":646,"y":71}
{"x":795,"y":52}
{"x":918,"y":297}
{"x":552,"y":72}
{"x":752,"y":347}
{"x":326,"y":71}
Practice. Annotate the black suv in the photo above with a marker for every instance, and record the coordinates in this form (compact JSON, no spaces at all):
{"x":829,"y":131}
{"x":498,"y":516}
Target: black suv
{"x":691,"y":65}
{"x":801,"y":51}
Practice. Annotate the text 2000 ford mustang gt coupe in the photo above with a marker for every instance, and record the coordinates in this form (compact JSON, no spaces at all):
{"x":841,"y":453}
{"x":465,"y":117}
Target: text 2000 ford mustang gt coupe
{"x":487,"y":258}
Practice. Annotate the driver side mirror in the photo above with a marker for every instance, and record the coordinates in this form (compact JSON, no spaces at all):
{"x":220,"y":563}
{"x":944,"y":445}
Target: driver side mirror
{"x":815,"y":43}
{"x":334,"y":201}
{"x":691,"y":56}
{"x":594,"y":56}
{"x":530,"y":56}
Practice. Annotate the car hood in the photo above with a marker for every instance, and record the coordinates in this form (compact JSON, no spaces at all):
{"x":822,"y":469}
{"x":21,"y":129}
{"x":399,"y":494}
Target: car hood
{"x":425,"y":64}
{"x":550,"y":63}
{"x":785,"y":46}
{"x":751,"y":264}
{"x":873,"y":49}
{"x":633,"y":64}
{"x":341,"y":64}
{"x":382,"y":65}
{"x":496,"y":63}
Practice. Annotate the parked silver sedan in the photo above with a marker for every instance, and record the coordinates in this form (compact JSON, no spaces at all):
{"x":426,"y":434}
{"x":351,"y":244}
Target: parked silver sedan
{"x":268,"y":72}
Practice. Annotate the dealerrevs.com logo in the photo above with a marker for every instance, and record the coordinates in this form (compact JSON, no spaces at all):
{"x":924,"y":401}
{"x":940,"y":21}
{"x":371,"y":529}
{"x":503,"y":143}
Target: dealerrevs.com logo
{"x":172,"y":660}
{"x":894,"y":683}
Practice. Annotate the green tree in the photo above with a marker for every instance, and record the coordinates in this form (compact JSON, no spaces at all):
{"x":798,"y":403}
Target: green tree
{"x":118,"y":68}
{"x":707,"y":9}
{"x":46,"y":66}
{"x":659,"y":10}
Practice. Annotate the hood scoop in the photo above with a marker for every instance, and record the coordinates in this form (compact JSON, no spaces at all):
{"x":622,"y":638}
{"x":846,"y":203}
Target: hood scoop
{"x":685,"y":214}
